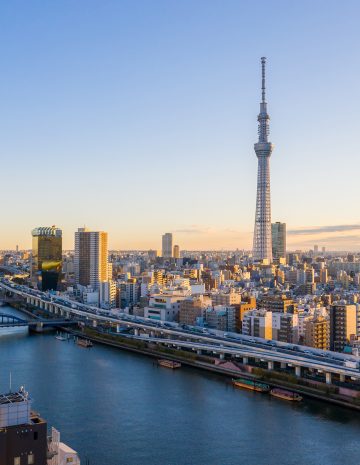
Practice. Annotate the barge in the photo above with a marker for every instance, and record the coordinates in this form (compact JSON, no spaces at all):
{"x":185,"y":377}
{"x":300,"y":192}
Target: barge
{"x":286,"y":395}
{"x":251,"y":385}
{"x":169,"y":363}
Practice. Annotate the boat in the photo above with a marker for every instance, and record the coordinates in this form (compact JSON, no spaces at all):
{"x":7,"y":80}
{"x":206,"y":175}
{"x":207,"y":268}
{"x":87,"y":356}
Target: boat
{"x":251,"y":385}
{"x":286,"y":395}
{"x":169,"y":363}
{"x":59,"y":337}
{"x":83,"y":342}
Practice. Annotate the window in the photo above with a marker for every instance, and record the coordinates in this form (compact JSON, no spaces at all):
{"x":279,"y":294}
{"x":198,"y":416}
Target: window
{"x":16,"y":460}
{"x":31,"y":459}
{"x":69,"y":460}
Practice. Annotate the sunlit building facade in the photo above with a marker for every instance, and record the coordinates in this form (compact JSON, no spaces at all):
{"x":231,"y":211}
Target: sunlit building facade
{"x":167,"y":247}
{"x":46,"y":262}
{"x":91,"y":258}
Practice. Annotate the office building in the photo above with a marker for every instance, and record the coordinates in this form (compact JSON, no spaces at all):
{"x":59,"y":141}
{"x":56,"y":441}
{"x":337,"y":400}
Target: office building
{"x":176,"y":252}
{"x":107,"y":294}
{"x":164,"y":307}
{"x":278,"y":303}
{"x":278,"y":237}
{"x":225,"y":298}
{"x":91,"y":258}
{"x":257,"y":323}
{"x":220,"y":317}
{"x":192,"y":309}
{"x":46,"y":261}
{"x":167,"y":247}
{"x":262,"y":246}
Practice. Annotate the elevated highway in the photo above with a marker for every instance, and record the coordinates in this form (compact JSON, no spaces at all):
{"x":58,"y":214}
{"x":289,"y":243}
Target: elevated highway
{"x":216,"y":342}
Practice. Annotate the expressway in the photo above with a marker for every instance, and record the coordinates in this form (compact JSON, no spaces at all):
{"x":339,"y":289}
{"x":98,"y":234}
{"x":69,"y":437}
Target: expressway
{"x":196,"y":338}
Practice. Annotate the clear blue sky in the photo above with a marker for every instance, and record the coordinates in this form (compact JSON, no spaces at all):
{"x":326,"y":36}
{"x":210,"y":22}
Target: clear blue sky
{"x":139,"y":117}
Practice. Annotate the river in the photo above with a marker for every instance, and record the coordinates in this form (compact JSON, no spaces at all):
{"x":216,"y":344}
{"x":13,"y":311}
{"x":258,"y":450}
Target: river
{"x":118,"y":408}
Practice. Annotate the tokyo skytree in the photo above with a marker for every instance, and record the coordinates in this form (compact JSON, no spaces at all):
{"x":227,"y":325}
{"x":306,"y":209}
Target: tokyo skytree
{"x":262,"y":248}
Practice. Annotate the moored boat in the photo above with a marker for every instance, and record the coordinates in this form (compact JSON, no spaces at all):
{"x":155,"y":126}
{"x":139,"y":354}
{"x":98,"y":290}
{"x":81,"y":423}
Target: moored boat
{"x":169,"y":363}
{"x":83,"y":342}
{"x":286,"y":395}
{"x":59,"y":337}
{"x":251,"y":385}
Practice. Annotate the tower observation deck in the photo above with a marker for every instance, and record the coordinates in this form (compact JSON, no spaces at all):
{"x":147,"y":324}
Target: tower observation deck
{"x":262,"y":247}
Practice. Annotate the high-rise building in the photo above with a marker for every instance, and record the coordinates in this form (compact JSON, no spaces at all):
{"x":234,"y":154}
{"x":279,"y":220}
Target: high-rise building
{"x":176,"y":253}
{"x":167,"y":247}
{"x":278,"y":237}
{"x":343,"y":325}
{"x":262,"y":231}
{"x":91,"y":258}
{"x":46,"y":261}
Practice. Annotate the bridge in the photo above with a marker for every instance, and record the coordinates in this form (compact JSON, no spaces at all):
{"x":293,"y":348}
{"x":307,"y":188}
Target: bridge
{"x":11,"y":321}
{"x":8,"y":321}
{"x":275,"y":354}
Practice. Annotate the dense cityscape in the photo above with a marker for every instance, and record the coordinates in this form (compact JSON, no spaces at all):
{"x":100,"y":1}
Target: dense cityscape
{"x":162,"y":301}
{"x":291,"y":319}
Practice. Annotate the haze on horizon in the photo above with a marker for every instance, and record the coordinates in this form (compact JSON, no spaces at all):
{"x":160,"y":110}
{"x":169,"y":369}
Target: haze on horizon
{"x":139,"y":118}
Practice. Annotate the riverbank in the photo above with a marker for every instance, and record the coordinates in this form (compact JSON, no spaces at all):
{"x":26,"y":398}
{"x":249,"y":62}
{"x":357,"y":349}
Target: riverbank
{"x":305,"y":387}
{"x":322,"y":391}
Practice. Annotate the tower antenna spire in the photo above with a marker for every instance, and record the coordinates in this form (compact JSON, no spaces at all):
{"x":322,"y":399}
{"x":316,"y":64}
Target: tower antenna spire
{"x":263,"y":64}
{"x":262,"y":247}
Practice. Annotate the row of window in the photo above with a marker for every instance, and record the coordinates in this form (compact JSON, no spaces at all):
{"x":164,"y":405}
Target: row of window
{"x":30,"y":460}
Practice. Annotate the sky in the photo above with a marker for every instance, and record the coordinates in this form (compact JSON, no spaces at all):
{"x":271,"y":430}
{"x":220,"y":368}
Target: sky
{"x":139,"y":117}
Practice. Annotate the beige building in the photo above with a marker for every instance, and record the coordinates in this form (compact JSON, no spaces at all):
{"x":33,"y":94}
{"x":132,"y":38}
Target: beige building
{"x":317,"y":333}
{"x":176,"y":252}
{"x":192,"y":308}
{"x":225,"y":298}
{"x":91,"y":258}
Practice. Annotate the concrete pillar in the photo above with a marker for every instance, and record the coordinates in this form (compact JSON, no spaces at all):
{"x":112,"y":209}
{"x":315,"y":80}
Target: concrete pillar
{"x":222,"y":356}
{"x":270,"y":365}
{"x":152,"y":333}
{"x":328,"y":378}
{"x":283,"y":365}
{"x":94,"y":323}
{"x":136,"y":331}
{"x":342,"y":378}
{"x":298,"y":371}
{"x":118,"y":328}
{"x":245,"y":360}
{"x":199,"y":352}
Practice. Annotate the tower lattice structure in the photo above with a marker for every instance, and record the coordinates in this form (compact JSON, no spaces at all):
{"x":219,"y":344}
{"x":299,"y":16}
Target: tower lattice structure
{"x":262,"y":247}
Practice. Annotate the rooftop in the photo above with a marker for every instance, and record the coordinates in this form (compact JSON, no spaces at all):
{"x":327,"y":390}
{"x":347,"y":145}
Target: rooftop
{"x":14,"y":397}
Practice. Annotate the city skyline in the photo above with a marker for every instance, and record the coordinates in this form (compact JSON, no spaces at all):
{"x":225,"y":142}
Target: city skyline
{"x":94,"y":138}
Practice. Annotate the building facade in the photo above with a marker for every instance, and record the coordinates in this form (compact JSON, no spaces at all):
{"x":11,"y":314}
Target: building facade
{"x":46,"y":261}
{"x":91,"y":258}
{"x":343,"y":325}
{"x":278,"y":237}
{"x":167,"y":245}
